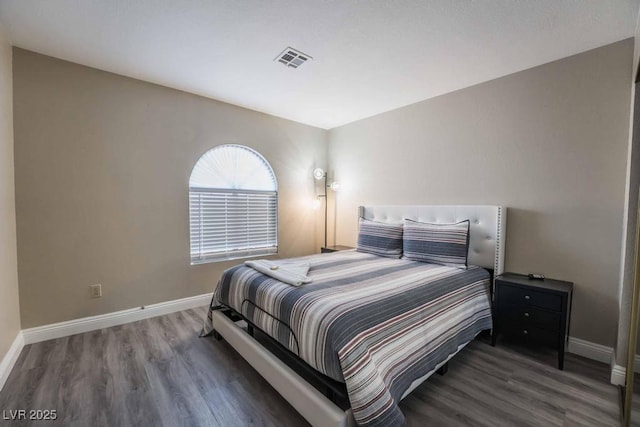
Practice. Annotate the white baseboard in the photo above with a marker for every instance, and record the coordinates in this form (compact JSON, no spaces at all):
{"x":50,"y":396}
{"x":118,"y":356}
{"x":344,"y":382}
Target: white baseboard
{"x":86,"y":324}
{"x":601,"y":353}
{"x":9,"y":359}
{"x":618,"y":375}
{"x":590,"y":350}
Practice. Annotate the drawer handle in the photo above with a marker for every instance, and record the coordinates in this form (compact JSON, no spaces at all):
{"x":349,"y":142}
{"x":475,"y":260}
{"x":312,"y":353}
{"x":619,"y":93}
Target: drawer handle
{"x":526,"y":315}
{"x":525,"y":332}
{"x":527,"y":297}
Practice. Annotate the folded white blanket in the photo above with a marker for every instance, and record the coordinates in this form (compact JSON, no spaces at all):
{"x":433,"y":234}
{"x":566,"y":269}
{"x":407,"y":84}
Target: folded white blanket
{"x":291,"y":273}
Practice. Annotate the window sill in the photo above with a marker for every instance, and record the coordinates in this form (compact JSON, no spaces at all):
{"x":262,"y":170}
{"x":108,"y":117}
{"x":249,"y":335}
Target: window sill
{"x":233,"y":257}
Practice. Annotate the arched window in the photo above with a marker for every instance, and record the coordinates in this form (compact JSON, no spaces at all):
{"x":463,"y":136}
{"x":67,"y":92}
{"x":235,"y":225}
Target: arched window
{"x":233,"y":205}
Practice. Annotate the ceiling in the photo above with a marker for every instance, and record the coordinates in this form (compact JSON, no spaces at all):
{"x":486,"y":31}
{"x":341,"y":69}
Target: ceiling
{"x":368,"y":56}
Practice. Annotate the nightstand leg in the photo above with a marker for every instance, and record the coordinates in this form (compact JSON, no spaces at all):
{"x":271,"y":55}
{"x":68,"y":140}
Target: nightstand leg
{"x":494,"y":336}
{"x":561,"y":355}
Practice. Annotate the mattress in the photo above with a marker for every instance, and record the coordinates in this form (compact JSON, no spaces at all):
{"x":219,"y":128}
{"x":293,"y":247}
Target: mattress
{"x":375,"y":323}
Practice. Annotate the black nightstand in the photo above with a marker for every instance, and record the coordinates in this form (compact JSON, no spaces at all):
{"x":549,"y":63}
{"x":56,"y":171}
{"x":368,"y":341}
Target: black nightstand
{"x":334,"y":248}
{"x":534,"y":311}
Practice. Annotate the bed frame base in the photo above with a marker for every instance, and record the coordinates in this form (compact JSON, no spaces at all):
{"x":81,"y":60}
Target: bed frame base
{"x":309,"y":402}
{"x":335,"y":391}
{"x":443,"y":369}
{"x":313,"y":405}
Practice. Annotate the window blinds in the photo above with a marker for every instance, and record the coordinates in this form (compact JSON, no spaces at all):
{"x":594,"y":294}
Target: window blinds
{"x":228,"y":224}
{"x":233,"y":205}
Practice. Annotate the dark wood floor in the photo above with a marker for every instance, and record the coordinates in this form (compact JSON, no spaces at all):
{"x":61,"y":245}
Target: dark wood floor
{"x":158,"y":372}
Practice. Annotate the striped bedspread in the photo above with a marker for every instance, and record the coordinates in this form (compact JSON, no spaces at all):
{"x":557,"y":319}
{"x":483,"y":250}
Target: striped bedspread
{"x":376,"y":323}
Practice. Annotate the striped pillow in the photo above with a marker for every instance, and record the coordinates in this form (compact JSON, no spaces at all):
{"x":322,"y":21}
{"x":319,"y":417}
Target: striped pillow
{"x":380,"y":238}
{"x":446,"y":244}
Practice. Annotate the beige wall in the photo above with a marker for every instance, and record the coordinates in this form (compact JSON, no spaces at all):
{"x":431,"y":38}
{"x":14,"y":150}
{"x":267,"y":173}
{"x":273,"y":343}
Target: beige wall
{"x":550,"y":143}
{"x":102,"y":168}
{"x":9,"y":307}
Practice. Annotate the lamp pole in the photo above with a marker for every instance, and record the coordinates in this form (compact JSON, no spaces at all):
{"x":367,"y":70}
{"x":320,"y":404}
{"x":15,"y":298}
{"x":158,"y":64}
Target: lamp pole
{"x":320,"y":174}
{"x":326,"y":203}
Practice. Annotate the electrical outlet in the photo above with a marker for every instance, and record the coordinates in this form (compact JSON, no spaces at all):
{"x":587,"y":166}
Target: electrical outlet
{"x":96,"y":290}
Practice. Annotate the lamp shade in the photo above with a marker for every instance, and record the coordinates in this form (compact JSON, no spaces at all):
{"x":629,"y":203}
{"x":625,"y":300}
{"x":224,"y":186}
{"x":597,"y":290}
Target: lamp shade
{"x":318,"y":173}
{"x":335,"y":186}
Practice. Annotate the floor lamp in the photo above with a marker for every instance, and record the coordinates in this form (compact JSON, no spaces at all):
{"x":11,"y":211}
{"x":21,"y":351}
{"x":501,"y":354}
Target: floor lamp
{"x":320,"y":174}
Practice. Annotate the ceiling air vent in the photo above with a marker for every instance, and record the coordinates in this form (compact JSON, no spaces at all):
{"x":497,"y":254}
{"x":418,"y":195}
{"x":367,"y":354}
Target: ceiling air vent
{"x":292,"y":58}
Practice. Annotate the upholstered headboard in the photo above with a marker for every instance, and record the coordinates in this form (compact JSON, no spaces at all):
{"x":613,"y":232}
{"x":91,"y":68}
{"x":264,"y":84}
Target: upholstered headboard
{"x":487,"y":227}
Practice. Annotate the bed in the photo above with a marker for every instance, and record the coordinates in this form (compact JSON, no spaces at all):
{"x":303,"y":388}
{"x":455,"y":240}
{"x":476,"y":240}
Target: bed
{"x":378,"y":325}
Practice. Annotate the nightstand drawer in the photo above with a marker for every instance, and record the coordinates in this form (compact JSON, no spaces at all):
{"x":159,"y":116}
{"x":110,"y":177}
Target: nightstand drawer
{"x":528,"y":315}
{"x":522,"y":297}
{"x":529,"y":333}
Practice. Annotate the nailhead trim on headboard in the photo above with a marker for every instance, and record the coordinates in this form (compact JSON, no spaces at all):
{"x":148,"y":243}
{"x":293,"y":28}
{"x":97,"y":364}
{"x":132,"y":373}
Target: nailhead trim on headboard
{"x":499,"y":262}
